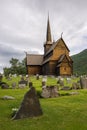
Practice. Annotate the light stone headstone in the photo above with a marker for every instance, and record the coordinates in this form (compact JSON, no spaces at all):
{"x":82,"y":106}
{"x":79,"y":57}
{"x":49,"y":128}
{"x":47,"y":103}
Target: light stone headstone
{"x":75,"y":85}
{"x":49,"y":91}
{"x":37,"y":76}
{"x":83,"y":82}
{"x":6,"y":97}
{"x":14,"y":85}
{"x":21,"y":86}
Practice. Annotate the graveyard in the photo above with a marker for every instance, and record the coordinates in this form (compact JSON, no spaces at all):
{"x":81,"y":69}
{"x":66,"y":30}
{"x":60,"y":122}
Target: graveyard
{"x":67,"y":110}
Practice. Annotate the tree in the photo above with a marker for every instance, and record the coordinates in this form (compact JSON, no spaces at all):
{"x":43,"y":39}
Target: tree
{"x":14,"y":62}
{"x":22,"y":67}
{"x":17,"y":67}
{"x":7,"y":71}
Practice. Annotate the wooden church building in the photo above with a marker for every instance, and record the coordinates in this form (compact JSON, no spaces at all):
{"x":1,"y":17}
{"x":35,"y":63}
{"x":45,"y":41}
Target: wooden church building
{"x":55,"y":61}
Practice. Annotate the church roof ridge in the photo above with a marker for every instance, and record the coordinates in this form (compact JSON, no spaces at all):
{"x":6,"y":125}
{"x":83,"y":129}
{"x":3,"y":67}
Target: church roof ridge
{"x":34,"y":54}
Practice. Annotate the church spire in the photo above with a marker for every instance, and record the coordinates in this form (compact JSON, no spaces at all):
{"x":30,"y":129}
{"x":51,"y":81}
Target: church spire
{"x":48,"y":35}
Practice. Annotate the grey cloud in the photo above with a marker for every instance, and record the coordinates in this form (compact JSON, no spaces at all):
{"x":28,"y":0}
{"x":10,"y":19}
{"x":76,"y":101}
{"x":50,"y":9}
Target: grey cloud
{"x":7,"y":52}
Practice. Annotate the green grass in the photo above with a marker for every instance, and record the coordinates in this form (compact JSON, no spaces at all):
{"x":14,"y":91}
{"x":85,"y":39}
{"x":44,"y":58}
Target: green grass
{"x":62,"y":113}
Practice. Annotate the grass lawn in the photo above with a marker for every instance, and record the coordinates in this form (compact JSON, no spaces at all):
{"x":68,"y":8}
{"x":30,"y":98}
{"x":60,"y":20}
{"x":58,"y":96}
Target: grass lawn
{"x":62,"y":113}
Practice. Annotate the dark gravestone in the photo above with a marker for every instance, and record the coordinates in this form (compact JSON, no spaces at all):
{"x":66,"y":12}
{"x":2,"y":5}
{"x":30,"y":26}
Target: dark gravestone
{"x":4,"y":85}
{"x":30,"y":106}
{"x":30,"y":84}
{"x":23,"y":83}
{"x":43,"y":83}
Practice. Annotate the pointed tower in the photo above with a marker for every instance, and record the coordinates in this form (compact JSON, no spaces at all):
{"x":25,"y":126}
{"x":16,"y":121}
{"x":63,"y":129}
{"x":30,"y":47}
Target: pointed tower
{"x":48,"y":35}
{"x":48,"y":42}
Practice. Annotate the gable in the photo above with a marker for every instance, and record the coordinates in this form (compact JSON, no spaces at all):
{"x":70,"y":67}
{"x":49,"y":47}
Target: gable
{"x":61,"y":45}
{"x":64,"y":60}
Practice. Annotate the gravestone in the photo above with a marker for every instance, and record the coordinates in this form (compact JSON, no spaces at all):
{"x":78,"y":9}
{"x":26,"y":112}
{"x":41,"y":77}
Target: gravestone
{"x":8,"y":98}
{"x":43,"y":84}
{"x":75,"y":85}
{"x":68,"y":80}
{"x":13,"y":85}
{"x":45,"y":92}
{"x":22,"y":83}
{"x":49,"y":91}
{"x":30,"y":106}
{"x":74,"y":93}
{"x":30,"y":84}
{"x":44,"y":79}
{"x":27,"y":78}
{"x":83,"y":83}
{"x":61,"y":82}
{"x":66,"y":88}
{"x":4,"y":85}
{"x":37,"y":76}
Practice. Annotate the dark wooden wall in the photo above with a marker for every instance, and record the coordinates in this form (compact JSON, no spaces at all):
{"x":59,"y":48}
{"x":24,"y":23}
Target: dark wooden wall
{"x":32,"y":70}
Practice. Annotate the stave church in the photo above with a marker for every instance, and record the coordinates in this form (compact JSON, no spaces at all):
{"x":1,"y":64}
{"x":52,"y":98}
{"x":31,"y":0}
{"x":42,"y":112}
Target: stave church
{"x":54,"y":61}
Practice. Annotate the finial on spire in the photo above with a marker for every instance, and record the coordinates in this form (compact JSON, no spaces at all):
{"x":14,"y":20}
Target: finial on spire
{"x":61,"y":34}
{"x":53,"y":39}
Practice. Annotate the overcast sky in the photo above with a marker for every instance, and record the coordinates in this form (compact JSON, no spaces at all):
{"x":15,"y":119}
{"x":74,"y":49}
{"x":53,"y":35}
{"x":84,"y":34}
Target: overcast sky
{"x":23,"y":26}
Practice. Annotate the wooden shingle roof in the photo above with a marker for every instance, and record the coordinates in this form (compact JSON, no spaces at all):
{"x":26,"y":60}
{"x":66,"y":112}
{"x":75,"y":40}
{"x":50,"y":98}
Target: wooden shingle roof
{"x":33,"y":59}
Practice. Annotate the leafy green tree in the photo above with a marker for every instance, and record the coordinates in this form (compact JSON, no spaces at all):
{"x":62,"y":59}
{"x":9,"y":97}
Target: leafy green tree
{"x":7,"y":71}
{"x":14,"y":62}
{"x":17,"y":67}
{"x":22,"y":67}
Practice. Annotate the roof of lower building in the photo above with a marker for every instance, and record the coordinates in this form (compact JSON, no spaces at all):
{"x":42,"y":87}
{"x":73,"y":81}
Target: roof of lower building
{"x":33,"y":59}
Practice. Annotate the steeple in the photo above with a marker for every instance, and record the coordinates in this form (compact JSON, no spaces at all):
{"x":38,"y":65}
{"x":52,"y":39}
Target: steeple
{"x":48,"y":42}
{"x":48,"y":35}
